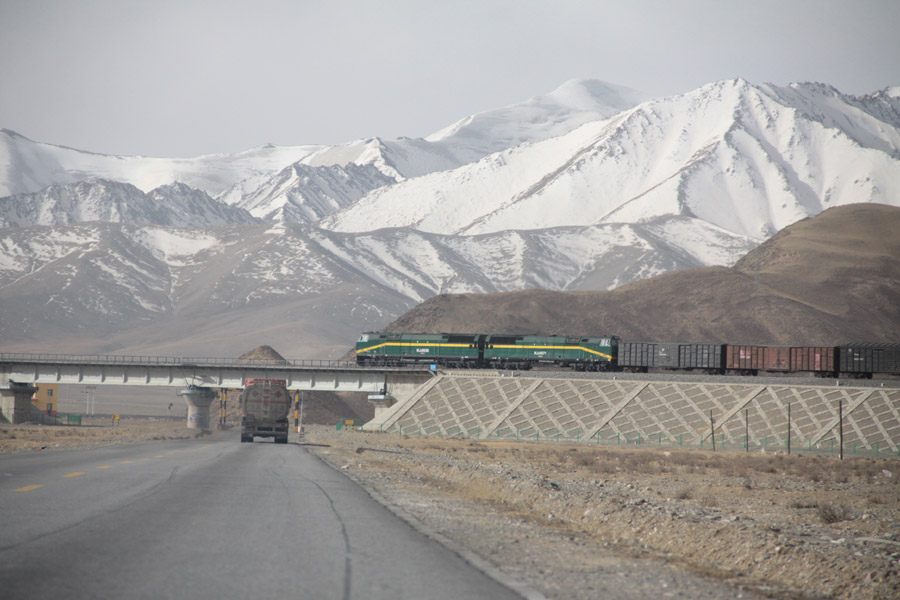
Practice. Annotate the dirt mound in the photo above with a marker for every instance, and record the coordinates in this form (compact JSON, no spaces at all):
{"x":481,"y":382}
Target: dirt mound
{"x":262,"y":353}
{"x":826,"y":280}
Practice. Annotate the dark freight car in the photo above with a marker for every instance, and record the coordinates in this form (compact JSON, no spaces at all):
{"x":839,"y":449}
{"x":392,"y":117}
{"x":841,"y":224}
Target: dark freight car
{"x":864,"y":359}
{"x":670,"y":355}
{"x":700,"y":356}
{"x":648,"y":355}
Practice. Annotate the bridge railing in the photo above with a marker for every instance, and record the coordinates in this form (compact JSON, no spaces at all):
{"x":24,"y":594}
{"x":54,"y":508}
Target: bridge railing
{"x":178,"y":361}
{"x":191,"y":361}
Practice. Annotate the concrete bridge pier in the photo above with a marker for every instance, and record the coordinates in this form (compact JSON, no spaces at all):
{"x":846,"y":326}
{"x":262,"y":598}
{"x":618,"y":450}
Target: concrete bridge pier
{"x":15,"y":402}
{"x":198,"y":400}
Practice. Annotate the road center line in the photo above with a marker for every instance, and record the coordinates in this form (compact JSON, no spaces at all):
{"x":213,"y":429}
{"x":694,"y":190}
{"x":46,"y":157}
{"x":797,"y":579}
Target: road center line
{"x":105,"y":467}
{"x":28,"y":488}
{"x":75,"y":474}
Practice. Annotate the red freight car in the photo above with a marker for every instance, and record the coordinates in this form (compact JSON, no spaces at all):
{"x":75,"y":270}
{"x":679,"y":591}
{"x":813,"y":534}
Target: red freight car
{"x":821,"y":360}
{"x":776,"y":358}
{"x":745,"y":359}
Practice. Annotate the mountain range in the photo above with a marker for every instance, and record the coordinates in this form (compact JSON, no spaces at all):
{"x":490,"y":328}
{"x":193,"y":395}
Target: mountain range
{"x":590,"y":187}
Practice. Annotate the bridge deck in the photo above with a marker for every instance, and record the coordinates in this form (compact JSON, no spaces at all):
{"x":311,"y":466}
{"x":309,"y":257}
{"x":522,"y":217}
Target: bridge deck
{"x":175,"y":371}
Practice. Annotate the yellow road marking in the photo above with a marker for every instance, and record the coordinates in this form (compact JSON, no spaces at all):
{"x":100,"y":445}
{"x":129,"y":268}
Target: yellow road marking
{"x":127,"y":462}
{"x":75,"y":474}
{"x":28,"y":488}
{"x":105,"y":467}
{"x":159,"y":456}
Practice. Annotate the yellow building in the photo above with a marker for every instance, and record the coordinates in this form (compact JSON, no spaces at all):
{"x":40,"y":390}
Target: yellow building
{"x":45,"y":398}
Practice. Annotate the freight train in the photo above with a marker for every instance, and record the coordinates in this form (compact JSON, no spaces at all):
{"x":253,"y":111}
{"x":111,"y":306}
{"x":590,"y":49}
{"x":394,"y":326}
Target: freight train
{"x":585,"y":353}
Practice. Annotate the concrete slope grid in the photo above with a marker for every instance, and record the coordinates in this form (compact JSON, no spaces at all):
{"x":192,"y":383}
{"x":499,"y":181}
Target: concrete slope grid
{"x":653,"y":413}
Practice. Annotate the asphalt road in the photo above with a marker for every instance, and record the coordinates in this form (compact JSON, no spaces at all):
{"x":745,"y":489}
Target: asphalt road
{"x":195,"y":519}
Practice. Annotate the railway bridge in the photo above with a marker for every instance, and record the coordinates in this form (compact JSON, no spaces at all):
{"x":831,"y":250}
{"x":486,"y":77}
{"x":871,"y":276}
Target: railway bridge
{"x":198,"y":378}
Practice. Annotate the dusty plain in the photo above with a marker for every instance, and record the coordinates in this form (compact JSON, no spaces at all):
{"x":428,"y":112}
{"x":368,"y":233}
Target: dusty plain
{"x":607,"y":522}
{"x":581,"y":521}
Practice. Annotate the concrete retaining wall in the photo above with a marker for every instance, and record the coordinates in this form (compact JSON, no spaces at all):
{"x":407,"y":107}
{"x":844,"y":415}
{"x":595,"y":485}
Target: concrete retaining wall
{"x":657,"y":412}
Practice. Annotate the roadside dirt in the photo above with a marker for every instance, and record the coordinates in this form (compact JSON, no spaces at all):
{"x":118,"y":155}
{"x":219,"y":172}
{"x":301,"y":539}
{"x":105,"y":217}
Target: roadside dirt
{"x":576,"y":521}
{"x":93,"y":432}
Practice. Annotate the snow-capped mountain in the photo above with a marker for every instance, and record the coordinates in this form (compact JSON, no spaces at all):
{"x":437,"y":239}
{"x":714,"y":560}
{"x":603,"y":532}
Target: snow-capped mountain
{"x":750,"y":159}
{"x":113,"y":202}
{"x":585,"y":188}
{"x":27,"y":166}
{"x":303,"y":194}
{"x":94,"y":286}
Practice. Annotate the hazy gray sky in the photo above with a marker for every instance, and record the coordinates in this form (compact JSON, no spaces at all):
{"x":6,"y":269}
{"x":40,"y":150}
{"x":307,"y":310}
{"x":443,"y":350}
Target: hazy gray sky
{"x":188,"y":77}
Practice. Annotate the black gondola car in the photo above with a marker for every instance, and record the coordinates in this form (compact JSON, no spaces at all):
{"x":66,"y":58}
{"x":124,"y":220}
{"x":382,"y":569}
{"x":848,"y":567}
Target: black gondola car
{"x":670,"y":355}
{"x":862,"y":359}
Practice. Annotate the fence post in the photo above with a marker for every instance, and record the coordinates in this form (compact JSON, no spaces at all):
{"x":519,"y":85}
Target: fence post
{"x":712,"y":429}
{"x":841,"y":421}
{"x":747,"y":430}
{"x":789,"y":430}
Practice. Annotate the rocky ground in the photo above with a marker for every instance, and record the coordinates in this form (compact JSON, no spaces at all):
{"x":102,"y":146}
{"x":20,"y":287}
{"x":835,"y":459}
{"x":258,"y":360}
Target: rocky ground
{"x":577,"y":521}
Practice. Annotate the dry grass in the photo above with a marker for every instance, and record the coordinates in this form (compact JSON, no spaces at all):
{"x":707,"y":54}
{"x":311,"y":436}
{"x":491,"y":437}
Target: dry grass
{"x":685,"y":493}
{"x":100,"y":432}
{"x":833,"y":513}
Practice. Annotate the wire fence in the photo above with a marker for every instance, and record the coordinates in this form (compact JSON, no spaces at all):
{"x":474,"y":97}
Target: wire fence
{"x":721,"y":442}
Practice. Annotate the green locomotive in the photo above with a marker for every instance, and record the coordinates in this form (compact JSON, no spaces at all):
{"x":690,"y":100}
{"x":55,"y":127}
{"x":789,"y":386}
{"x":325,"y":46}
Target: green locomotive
{"x":486,"y":350}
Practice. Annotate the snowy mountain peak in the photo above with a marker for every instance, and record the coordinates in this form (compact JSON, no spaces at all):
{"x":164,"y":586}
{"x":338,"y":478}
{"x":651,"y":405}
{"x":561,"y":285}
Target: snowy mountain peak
{"x":115,"y":202}
{"x":748,"y":159}
{"x":594,"y":94}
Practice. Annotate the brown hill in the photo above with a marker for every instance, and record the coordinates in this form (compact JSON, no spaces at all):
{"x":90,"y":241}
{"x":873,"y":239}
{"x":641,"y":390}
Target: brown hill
{"x":262,"y":353}
{"x":829,"y":279}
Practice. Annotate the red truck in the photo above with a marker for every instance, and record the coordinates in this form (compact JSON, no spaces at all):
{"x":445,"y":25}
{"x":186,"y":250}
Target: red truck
{"x":264,"y":410}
